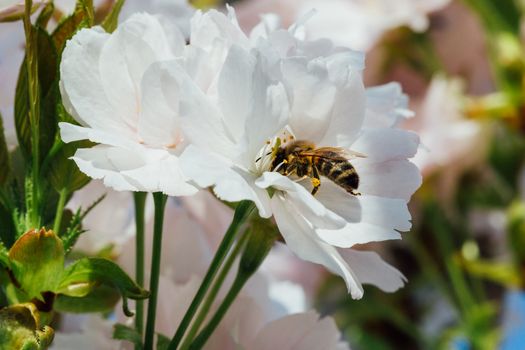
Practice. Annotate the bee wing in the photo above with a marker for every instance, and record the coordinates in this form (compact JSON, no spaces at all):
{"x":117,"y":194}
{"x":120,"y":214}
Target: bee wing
{"x":333,"y":153}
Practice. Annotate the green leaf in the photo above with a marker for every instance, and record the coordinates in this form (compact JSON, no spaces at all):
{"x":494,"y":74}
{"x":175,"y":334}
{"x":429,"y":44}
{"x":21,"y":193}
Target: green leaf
{"x":5,"y":166}
{"x":7,"y":227}
{"x":49,"y":94}
{"x":67,"y":28}
{"x":102,"y":298}
{"x":4,"y":256}
{"x":63,"y":172}
{"x":86,"y":7}
{"x":37,"y":262}
{"x":97,"y":270}
{"x":111,"y":21}
{"x":123,"y":332}
{"x":20,"y":329}
{"x":45,"y":15}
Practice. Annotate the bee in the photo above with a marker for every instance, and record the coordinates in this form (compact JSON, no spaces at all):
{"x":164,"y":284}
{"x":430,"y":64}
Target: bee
{"x":304,"y":159}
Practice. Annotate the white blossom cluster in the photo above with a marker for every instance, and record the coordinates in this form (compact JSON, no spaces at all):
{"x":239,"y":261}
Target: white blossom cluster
{"x":174,"y":117}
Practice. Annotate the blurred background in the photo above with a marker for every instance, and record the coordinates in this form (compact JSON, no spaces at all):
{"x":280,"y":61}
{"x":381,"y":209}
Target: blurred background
{"x":462,"y":64}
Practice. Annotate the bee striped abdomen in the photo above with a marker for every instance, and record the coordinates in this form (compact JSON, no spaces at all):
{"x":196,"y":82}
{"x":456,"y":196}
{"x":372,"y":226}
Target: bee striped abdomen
{"x":340,"y":171}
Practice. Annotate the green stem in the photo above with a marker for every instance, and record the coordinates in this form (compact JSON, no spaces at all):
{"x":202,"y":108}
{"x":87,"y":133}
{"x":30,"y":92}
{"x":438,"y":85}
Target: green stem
{"x":60,"y":210}
{"x":255,"y":251}
{"x":236,"y":287}
{"x":217,"y":284}
{"x":160,"y":203}
{"x":34,"y":113}
{"x":140,"y":202}
{"x":242,"y":212}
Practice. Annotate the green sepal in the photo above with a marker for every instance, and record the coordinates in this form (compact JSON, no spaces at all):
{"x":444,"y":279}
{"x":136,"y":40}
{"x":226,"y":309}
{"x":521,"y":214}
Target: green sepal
{"x":63,"y":172}
{"x":262,"y":236}
{"x":111,"y":21}
{"x":5,"y":165}
{"x":123,"y":332}
{"x":37,"y":262}
{"x":49,"y":97}
{"x":94,"y":271}
{"x":20,"y":329}
{"x":45,"y":15}
{"x":86,"y":7}
{"x":69,"y":26}
{"x":101,"y":299}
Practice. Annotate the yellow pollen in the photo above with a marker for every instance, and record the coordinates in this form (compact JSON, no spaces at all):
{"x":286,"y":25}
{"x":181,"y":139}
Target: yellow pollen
{"x":315,"y":182}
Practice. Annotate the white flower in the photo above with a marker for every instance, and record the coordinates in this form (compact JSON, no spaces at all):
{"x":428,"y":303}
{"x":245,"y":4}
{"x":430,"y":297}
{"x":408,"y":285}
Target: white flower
{"x":358,"y":24}
{"x":111,"y":84}
{"x":274,"y":87}
{"x":169,"y":12}
{"x":11,"y":10}
{"x":260,"y":318}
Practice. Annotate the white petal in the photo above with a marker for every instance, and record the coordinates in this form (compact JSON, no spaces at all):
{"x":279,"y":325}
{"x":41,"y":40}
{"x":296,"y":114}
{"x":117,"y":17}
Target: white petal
{"x":301,"y":239}
{"x":137,"y":43}
{"x":313,"y":97}
{"x":147,"y":170}
{"x":70,"y":133}
{"x":162,"y":175}
{"x":201,"y":121}
{"x":381,"y":144}
{"x":393,"y":179}
{"x":81,"y":82}
{"x":235,"y":89}
{"x":231,"y":184}
{"x":295,"y":194}
{"x":269,"y":111}
{"x":159,"y":122}
{"x":348,"y":112}
{"x":386,"y":106}
{"x":96,"y":163}
{"x":214,"y":26}
{"x":381,"y":211}
{"x":371,"y":269}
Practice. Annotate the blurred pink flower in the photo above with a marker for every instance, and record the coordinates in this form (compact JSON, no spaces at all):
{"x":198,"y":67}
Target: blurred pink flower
{"x":258,"y":319}
{"x":110,"y":223}
{"x":470,"y":60}
{"x":357,"y":24}
{"x":451,"y":143}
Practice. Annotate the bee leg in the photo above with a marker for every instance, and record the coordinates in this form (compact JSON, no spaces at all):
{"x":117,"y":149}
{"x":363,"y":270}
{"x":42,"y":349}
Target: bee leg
{"x":316,"y":180}
{"x":355,"y":193}
{"x":290,"y":171}
{"x":300,"y":179}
